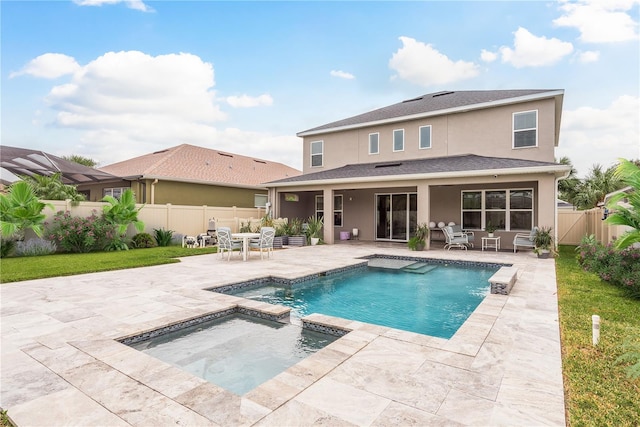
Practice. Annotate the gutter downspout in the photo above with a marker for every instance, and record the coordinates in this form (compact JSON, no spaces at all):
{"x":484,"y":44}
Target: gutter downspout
{"x":153,"y":191}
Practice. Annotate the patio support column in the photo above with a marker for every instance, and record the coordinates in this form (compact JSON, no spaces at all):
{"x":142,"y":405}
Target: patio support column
{"x":328,"y":215}
{"x":546,"y":201}
{"x":424,"y":206}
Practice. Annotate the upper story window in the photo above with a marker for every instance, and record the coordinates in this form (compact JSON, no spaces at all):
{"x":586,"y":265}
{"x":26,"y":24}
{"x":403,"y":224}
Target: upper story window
{"x":374,"y":143}
{"x":425,"y":137}
{"x":525,"y":129}
{"x":317,"y":149}
{"x":398,"y":140}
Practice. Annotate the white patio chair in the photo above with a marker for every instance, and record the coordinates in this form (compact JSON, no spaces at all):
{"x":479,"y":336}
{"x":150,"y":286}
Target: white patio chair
{"x":458,"y":231}
{"x":226,"y":244}
{"x":453,"y":241}
{"x":264,"y":242}
{"x":525,"y":240}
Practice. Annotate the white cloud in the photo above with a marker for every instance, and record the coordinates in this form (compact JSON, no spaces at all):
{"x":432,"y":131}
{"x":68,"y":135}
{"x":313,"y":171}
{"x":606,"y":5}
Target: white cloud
{"x":592,"y":135}
{"x":588,"y":56}
{"x":488,"y":56}
{"x":49,"y":66}
{"x":532,"y":51}
{"x":246,"y":101}
{"x":421,"y":64}
{"x":342,"y":74}
{"x":600,"y":21}
{"x":131,"y":4}
{"x":125,"y":104}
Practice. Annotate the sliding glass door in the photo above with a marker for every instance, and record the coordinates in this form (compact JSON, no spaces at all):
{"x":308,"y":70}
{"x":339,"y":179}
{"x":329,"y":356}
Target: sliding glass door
{"x":395,"y":216}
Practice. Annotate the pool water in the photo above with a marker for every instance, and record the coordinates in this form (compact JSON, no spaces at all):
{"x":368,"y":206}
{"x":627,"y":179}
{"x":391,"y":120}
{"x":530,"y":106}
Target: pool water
{"x":436,"y":303}
{"x":236,"y":352}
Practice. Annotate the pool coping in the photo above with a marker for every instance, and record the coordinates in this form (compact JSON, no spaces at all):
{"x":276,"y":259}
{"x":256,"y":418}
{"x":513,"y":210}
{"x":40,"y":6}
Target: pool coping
{"x":501,"y":367}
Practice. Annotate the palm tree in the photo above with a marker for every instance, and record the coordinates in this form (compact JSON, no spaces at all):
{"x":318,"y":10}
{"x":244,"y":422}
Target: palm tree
{"x":628,"y":173}
{"x":21,"y":210}
{"x":52,"y":188}
{"x":567,"y":187}
{"x":595,"y":187}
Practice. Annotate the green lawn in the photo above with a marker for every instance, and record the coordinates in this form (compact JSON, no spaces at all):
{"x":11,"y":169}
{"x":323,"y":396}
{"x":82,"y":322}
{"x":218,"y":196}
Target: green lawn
{"x":26,"y":268}
{"x":597,"y":389}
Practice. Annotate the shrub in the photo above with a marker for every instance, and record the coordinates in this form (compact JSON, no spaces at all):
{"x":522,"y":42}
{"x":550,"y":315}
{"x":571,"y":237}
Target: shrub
{"x":6,"y":247}
{"x":80,"y":235}
{"x":619,"y":267}
{"x":143,"y":240}
{"x":163,"y":237}
{"x":35,"y":247}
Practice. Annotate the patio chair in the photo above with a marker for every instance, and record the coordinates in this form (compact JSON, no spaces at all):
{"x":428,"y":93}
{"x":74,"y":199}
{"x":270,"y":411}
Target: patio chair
{"x":458,"y":231}
{"x":264,"y":242}
{"x":453,"y":241}
{"x":226,"y":244}
{"x":525,"y":240}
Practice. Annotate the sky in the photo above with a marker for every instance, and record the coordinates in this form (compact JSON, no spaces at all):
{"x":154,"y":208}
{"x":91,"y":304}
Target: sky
{"x":114,"y":79}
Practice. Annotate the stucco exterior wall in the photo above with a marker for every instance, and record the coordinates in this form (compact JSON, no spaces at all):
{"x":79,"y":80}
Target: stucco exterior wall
{"x":182,"y":193}
{"x":486,"y":132}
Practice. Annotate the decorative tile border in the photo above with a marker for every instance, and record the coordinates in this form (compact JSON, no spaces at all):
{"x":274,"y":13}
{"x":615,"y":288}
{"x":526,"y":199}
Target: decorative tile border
{"x":325,"y":329}
{"x":440,"y":261}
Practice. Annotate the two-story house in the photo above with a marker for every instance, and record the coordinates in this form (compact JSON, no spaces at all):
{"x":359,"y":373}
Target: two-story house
{"x":470,"y":157}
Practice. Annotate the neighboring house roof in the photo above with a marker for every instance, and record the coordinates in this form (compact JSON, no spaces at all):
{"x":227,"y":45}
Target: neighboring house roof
{"x":437,"y":167}
{"x":439,"y":103}
{"x":15,"y":161}
{"x":563,"y":204}
{"x":189,"y":163}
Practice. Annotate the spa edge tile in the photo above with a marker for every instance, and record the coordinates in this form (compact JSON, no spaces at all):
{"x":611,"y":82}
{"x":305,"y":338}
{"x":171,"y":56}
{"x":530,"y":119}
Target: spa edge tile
{"x":272,"y":393}
{"x":172,"y":381}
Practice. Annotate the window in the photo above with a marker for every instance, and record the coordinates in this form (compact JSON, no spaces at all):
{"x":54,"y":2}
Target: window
{"x":260,"y":200}
{"x":114,"y":192}
{"x":505,"y":209}
{"x":425,"y":137}
{"x":374,"y":143}
{"x":337,"y":209}
{"x":317,"y":148}
{"x":398,"y":140}
{"x":525,"y":129}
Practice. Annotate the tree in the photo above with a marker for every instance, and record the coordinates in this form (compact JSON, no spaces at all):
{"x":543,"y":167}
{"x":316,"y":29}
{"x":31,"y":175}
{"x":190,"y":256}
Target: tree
{"x":21,"y":210}
{"x":567,"y":187}
{"x":52,"y":188}
{"x":597,"y":184}
{"x":123,"y":212}
{"x":81,"y":160}
{"x":629,"y":174}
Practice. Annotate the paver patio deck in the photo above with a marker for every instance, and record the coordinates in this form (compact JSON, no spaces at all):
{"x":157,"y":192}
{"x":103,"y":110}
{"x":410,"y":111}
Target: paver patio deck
{"x":61,"y":365}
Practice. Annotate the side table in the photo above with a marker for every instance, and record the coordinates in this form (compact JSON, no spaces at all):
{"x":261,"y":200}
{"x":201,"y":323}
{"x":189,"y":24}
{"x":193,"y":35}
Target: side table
{"x":491,"y":243}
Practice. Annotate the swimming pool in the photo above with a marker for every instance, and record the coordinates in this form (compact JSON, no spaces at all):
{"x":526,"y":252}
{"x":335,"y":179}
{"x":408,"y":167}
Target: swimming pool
{"x":435,"y":303}
{"x":236,"y":352}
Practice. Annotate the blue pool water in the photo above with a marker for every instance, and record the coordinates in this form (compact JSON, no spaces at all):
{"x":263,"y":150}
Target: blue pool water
{"x":435,"y":303}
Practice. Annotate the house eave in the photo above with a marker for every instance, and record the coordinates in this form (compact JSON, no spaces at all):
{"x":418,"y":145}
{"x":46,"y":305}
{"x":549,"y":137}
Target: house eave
{"x":195,"y":181}
{"x":461,"y":109}
{"x":552,"y":169}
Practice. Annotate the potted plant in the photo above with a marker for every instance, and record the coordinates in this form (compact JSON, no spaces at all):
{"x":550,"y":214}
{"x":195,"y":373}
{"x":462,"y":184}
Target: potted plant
{"x":417,"y":242}
{"x":543,"y":241}
{"x":282,"y":235}
{"x":297,"y":237}
{"x":490,"y":229}
{"x":314,"y":229}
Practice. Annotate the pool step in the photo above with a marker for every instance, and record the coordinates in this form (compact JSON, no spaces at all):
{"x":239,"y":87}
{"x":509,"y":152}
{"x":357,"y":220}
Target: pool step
{"x":419,"y":268}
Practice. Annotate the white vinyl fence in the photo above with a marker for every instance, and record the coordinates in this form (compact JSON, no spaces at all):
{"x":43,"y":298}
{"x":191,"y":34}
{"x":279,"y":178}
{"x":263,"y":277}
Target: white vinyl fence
{"x":183,"y":220}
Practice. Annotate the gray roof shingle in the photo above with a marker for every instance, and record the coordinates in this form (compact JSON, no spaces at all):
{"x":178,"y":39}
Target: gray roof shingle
{"x":431,"y":104}
{"x":462,"y":163}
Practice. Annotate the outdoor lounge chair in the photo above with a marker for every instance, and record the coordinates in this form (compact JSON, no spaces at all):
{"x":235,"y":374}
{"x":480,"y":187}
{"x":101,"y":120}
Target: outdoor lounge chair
{"x":525,"y":240}
{"x":458,"y":231}
{"x":225,"y":243}
{"x":264,"y":242}
{"x":453,"y":241}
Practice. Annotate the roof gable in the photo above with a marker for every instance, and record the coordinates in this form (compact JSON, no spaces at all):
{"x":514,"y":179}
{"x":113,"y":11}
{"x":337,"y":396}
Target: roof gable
{"x":198,"y":164}
{"x":432,"y":104}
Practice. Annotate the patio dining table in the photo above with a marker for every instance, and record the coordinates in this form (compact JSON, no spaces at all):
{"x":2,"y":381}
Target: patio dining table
{"x":245,"y":237}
